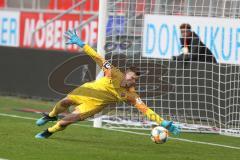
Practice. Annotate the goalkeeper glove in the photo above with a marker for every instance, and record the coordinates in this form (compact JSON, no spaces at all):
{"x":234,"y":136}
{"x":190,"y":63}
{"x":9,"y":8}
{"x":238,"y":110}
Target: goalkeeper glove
{"x":171,"y":127}
{"x":73,"y":38}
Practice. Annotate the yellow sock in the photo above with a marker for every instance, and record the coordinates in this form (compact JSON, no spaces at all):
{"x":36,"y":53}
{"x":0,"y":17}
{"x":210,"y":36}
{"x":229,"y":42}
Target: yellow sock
{"x":57,"y":109}
{"x":57,"y":127}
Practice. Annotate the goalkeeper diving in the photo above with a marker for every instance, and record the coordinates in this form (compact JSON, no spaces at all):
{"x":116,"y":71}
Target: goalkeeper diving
{"x":91,"y":97}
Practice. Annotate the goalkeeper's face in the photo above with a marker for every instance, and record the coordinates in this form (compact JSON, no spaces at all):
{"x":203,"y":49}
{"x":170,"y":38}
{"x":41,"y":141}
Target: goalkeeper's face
{"x":129,"y":79}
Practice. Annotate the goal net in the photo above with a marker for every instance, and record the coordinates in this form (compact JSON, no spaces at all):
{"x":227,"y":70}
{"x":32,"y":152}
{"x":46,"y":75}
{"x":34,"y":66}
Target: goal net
{"x":178,"y":80}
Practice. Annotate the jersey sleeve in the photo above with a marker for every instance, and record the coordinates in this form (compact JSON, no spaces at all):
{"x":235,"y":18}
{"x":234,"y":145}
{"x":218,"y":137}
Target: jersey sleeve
{"x":95,"y":56}
{"x":135,"y":100}
{"x":108,"y":68}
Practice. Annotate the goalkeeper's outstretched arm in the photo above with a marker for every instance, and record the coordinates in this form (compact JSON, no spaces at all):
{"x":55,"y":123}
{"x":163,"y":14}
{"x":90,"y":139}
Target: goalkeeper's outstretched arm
{"x":141,"y":106}
{"x":74,"y":39}
{"x":153,"y":116}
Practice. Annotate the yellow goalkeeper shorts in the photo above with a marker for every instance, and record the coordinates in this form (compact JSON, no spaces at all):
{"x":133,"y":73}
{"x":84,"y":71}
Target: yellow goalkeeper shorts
{"x":85,"y":108}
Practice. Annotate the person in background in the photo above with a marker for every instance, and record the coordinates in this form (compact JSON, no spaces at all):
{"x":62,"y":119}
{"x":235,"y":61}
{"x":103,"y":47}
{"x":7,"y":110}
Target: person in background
{"x":192,"y":48}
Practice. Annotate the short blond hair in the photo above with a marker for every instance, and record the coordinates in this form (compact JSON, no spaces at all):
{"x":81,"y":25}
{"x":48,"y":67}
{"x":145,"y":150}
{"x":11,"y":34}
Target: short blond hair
{"x":134,"y":69}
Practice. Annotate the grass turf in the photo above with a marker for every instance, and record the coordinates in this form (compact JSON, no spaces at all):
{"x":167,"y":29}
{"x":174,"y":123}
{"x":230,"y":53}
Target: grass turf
{"x":17,"y":141}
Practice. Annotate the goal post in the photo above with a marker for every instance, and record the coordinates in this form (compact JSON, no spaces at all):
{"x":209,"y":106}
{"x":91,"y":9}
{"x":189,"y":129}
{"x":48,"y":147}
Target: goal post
{"x":102,"y":21}
{"x":197,"y":96}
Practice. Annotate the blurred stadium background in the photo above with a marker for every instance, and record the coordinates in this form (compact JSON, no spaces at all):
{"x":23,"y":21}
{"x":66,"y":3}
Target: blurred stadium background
{"x":37,"y":68}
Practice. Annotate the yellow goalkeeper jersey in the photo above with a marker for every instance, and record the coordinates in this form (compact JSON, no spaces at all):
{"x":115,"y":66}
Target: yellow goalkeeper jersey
{"x":107,"y":89}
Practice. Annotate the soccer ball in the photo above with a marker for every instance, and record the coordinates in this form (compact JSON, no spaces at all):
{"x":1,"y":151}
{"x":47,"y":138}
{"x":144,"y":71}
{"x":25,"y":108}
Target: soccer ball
{"x":159,"y":135}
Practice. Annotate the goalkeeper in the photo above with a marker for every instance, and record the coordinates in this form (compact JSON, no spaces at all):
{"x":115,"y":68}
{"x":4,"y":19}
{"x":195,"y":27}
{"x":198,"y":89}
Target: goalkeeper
{"x":92,"y":97}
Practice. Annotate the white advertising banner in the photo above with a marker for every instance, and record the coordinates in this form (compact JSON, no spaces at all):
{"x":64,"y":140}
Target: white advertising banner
{"x":9,"y":28}
{"x":161,"y":37}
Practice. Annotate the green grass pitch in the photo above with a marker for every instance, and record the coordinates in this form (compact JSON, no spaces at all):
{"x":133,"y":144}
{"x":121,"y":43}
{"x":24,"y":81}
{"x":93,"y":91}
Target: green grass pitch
{"x":82,"y":142}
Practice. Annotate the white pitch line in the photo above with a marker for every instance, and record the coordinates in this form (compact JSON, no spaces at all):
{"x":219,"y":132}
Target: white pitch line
{"x":15,"y":116}
{"x":131,"y":132}
{"x":179,"y":139}
{"x":30,"y":118}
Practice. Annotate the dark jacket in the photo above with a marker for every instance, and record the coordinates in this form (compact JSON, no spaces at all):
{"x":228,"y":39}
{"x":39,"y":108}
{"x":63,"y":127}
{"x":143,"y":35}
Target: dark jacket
{"x":197,"y":50}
